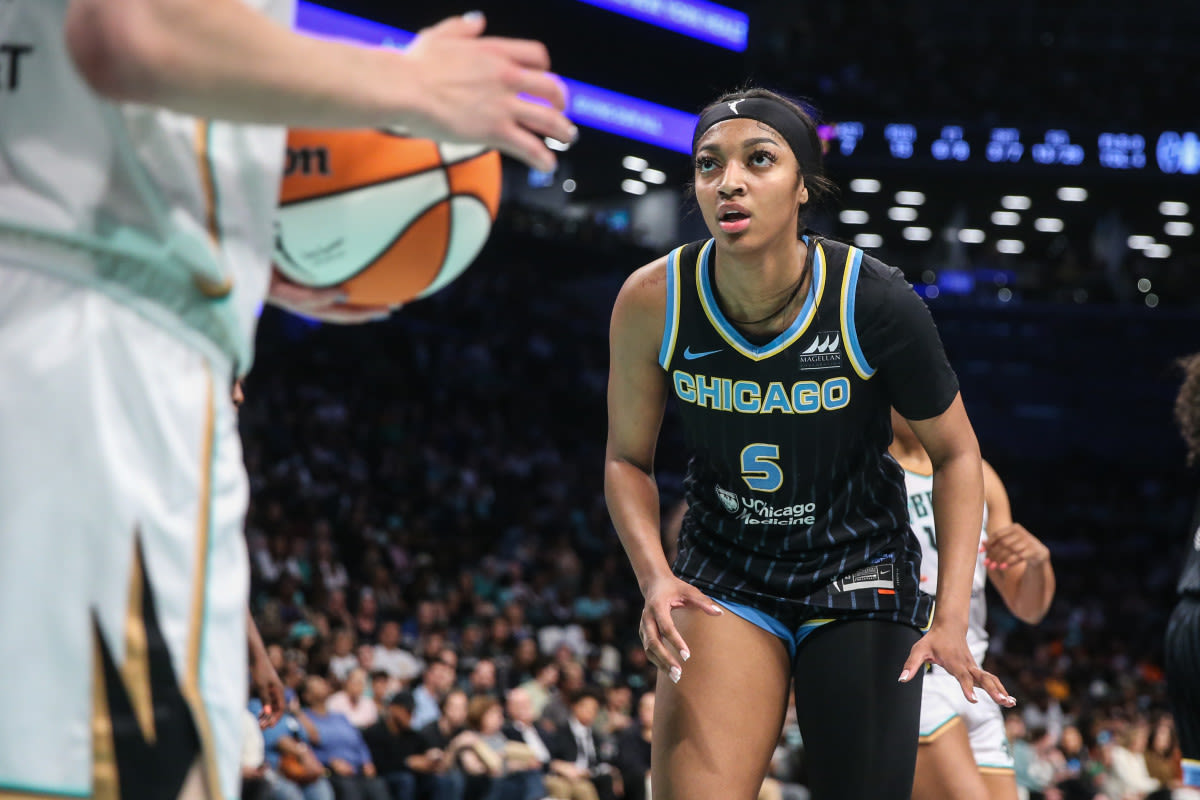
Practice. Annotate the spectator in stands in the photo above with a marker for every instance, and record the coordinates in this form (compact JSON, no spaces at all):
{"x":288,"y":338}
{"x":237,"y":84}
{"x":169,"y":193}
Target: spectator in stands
{"x":343,"y":659}
{"x":436,"y":681}
{"x":391,"y":658}
{"x":366,"y":619}
{"x":396,"y":749}
{"x":1129,"y":761}
{"x":294,"y":771}
{"x":340,"y":747}
{"x":576,"y":772}
{"x":479,"y":750}
{"x":530,"y":763}
{"x":443,"y":780}
{"x":633,"y":750}
{"x":482,"y":680}
{"x":353,"y":702}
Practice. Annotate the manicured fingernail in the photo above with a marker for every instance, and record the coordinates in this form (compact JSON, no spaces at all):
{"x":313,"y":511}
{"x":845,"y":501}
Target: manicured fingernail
{"x":473,"y":16}
{"x":676,"y":674}
{"x":685,"y":654}
{"x":719,"y":610}
{"x":903,"y":676}
{"x":266,"y":709}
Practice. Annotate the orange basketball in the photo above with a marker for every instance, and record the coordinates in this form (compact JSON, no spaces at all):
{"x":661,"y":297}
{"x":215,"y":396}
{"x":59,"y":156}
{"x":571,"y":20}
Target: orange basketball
{"x":386,"y":217}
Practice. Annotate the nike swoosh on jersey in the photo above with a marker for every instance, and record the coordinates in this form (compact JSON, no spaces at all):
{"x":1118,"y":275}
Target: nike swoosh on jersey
{"x":690,"y":356}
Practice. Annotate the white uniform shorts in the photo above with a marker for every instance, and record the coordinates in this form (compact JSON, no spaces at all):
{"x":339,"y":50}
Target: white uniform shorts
{"x":942,"y":702}
{"x":123,"y":570}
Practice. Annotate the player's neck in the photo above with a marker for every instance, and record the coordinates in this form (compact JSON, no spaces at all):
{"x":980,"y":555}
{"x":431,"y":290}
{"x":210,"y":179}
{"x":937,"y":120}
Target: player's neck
{"x":762,"y":291}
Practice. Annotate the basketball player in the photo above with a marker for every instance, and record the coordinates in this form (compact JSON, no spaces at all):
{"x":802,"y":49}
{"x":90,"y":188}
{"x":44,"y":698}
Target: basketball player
{"x":1183,"y":629}
{"x":795,"y":562}
{"x":141,"y":145}
{"x":964,"y":754}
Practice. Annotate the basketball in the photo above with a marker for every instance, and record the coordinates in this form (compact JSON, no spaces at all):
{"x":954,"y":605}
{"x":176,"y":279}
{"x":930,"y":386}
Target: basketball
{"x":383,"y":216}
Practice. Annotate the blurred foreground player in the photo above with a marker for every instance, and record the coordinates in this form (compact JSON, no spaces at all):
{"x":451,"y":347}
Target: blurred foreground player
{"x":141,"y":145}
{"x":796,"y":564}
{"x":964,"y":754}
{"x":1182,"y":648}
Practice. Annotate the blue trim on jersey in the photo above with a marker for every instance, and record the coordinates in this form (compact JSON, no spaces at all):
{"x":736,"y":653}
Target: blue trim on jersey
{"x":849,"y":329}
{"x":761,"y":619}
{"x":816,"y":289}
{"x":671,"y":323}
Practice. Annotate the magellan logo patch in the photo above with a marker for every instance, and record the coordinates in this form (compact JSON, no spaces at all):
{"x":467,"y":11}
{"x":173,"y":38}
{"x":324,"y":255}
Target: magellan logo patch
{"x":823,"y":353}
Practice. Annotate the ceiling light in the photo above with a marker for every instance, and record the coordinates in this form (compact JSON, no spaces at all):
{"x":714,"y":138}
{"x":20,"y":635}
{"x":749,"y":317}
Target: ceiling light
{"x":634,"y":163}
{"x":1173,"y":209}
{"x":632,"y":186}
{"x":865,"y":185}
{"x":868,"y":240}
{"x":1010,"y":246}
{"x":655,"y":176}
{"x":916,"y":233}
{"x":853,"y":216}
{"x":910,"y":198}
{"x":902,"y":213}
{"x":1139,"y":242}
{"x":1005,"y":218}
{"x":1048,"y":224}
{"x":1015,"y":202}
{"x":1072,"y":194}
{"x":569,"y":185}
{"x":1177,"y":228}
{"x":971,"y":236}
{"x":1157,"y":251}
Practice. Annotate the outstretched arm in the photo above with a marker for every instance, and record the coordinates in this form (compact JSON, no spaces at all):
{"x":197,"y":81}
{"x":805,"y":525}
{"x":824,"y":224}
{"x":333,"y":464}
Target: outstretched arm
{"x":223,"y":59}
{"x":1018,"y":563}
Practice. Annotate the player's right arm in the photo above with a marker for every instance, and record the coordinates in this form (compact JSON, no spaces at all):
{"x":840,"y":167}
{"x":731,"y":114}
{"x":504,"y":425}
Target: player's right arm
{"x":223,"y":59}
{"x":637,"y":396}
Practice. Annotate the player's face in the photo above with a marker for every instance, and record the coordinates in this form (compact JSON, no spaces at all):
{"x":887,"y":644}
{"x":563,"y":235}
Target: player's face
{"x":747,"y":184}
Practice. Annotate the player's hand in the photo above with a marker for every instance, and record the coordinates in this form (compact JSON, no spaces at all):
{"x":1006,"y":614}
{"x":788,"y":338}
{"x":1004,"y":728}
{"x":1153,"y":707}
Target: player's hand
{"x":665,"y":648}
{"x":269,"y":689}
{"x":1014,"y":545}
{"x":327,"y":305}
{"x":948,"y":649}
{"x":493,"y":91}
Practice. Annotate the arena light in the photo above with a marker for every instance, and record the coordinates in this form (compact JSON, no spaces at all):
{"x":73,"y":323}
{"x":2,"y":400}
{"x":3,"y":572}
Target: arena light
{"x":634,"y":163}
{"x":868,"y":240}
{"x":587,"y":105}
{"x":910,"y":198}
{"x":1157,"y":251}
{"x":698,"y":19}
{"x":853,"y":216}
{"x":1139,"y":242}
{"x":1178,"y":228}
{"x":1072,"y":194}
{"x":633,"y":186}
{"x":1010,"y":246}
{"x":1151,"y":300}
{"x":1016,"y":202}
{"x":971,"y":236}
{"x":1005,"y":218}
{"x":655,"y":176}
{"x":1144,"y":285}
{"x":902,"y":213}
{"x":865,"y":185}
{"x":569,"y":185}
{"x":1172,"y":209}
{"x":917,"y":233}
{"x":1048,"y":224}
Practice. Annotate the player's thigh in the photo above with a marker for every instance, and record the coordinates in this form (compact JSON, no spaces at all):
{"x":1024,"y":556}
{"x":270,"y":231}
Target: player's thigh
{"x":121,"y":499}
{"x":715,"y":730}
{"x":1001,"y":784}
{"x":946,"y":766}
{"x":858,"y":721}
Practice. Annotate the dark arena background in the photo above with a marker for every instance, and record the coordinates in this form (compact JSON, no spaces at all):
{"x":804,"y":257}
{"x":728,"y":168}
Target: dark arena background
{"x":1034,"y":169}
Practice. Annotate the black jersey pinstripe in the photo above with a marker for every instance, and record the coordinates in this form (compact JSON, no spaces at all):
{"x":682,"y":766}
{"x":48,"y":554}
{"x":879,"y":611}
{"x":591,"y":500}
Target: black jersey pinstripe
{"x":793,"y":500}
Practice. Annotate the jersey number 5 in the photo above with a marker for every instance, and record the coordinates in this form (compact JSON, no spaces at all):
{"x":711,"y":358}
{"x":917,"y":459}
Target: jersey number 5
{"x":759,"y":468}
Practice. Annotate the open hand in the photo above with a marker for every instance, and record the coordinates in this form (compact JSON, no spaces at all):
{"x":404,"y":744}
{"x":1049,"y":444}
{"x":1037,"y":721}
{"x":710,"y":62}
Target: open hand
{"x":948,"y":649}
{"x":665,"y":647}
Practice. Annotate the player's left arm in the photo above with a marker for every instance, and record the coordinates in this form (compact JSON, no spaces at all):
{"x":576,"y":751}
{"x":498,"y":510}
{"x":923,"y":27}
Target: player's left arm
{"x":1018,"y":562}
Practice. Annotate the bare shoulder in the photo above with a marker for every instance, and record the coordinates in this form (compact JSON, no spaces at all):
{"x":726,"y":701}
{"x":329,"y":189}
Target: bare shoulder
{"x":644,"y":293}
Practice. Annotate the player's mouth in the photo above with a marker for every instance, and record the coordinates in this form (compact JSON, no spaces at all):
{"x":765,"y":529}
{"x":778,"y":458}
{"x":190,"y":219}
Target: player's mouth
{"x":732,"y":218}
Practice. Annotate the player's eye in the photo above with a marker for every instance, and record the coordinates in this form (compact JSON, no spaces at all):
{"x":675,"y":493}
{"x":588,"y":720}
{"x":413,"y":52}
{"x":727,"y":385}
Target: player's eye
{"x":705,"y":164}
{"x":762,"y":158}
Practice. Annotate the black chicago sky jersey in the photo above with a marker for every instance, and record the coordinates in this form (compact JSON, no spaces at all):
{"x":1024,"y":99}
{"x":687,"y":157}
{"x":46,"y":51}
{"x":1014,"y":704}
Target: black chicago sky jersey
{"x":792,"y":496}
